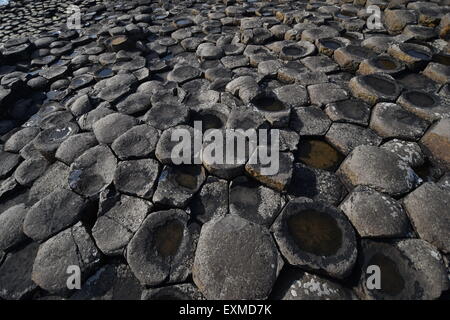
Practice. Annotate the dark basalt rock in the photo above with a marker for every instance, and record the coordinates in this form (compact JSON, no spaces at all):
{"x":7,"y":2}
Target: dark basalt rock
{"x":116,"y":226}
{"x":73,"y":246}
{"x":410,"y":269}
{"x":219,"y":254}
{"x":162,"y":250}
{"x":93,"y":171}
{"x":316,"y":236}
{"x":57,"y":211}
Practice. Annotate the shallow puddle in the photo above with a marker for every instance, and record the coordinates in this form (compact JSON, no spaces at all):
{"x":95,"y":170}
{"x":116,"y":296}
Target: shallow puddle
{"x":381,"y":85}
{"x":315,"y":232}
{"x":269,"y":104}
{"x":168,"y":238}
{"x":420,"y":99}
{"x":417,"y":54}
{"x":392,"y":281}
{"x":319,"y":154}
{"x":385,"y":64}
{"x":293,"y":51}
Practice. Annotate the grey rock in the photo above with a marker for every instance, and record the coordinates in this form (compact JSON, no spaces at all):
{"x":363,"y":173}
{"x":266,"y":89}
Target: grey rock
{"x":15,"y":273}
{"x":224,"y":243}
{"x":134,"y":103}
{"x":316,"y":184}
{"x":165,"y":115}
{"x":11,"y":221}
{"x":30,"y":169}
{"x":19,"y":139}
{"x":8,"y":161}
{"x":137,"y":177}
{"x":57,"y":211}
{"x":301,"y":285}
{"x":410,"y":152}
{"x":55,"y":178}
{"x":375,"y":215}
{"x":178,"y":184}
{"x":115,"y":228}
{"x":140,"y":141}
{"x":254,"y":202}
{"x":390,"y":120}
{"x":75,"y":146}
{"x":93,"y":171}
{"x":411,"y":269}
{"x":111,"y":282}
{"x":114,"y":88}
{"x":211,"y":200}
{"x":184,"y":291}
{"x":162,"y":250}
{"x":377,"y":168}
{"x":332,"y":252}
{"x":70,"y":247}
{"x":346,"y":137}
{"x":428,"y":208}
{"x":110,"y":127}
{"x":307,"y":121}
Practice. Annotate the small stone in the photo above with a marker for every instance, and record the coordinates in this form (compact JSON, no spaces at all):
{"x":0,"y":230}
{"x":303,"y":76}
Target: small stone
{"x":211,"y":201}
{"x":223,"y":244}
{"x":379,"y":169}
{"x":8,"y":161}
{"x":72,"y":246}
{"x":316,"y":184}
{"x":307,"y":121}
{"x":114,"y":229}
{"x":350,"y":111}
{"x":93,"y":171}
{"x":110,"y":127}
{"x":54,"y":178}
{"x":435,"y":143}
{"x":137,"y":177}
{"x":254,"y":202}
{"x":410,"y":152}
{"x":375,"y":215}
{"x":331,"y":251}
{"x":19,"y":139}
{"x":185,"y":291}
{"x":276,"y":174}
{"x":183,"y":74}
{"x":427,"y":207}
{"x":325,"y":93}
{"x":57,"y":211}
{"x":30,"y":169}
{"x":301,"y":285}
{"x":111,"y":282}
{"x":15,"y":273}
{"x":11,"y":221}
{"x":177,"y":185}
{"x":134,"y":103}
{"x":292,"y":96}
{"x":389,"y":120}
{"x":114,"y":88}
{"x":75,"y":146}
{"x":162,"y":250}
{"x":411,"y":269}
{"x":138,"y":142}
{"x":374,"y":88}
{"x":166,"y":115}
